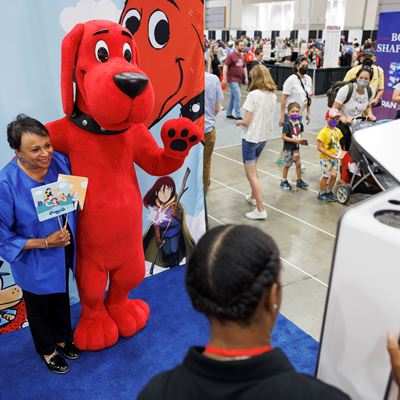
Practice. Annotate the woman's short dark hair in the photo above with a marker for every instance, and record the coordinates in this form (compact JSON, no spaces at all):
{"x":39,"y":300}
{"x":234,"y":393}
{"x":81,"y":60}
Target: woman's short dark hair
{"x":23,"y":124}
{"x":230,"y":269}
{"x":367,"y":69}
{"x":300,"y":59}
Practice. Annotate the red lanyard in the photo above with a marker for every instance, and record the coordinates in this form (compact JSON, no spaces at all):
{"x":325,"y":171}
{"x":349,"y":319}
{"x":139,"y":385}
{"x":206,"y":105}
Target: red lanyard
{"x":237,"y":352}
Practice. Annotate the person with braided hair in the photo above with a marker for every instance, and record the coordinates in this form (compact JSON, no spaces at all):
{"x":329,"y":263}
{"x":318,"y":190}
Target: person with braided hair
{"x":233,"y":277}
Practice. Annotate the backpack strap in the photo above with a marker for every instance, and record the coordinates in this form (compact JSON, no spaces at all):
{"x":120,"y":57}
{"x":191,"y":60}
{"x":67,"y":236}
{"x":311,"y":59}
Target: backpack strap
{"x":350,"y":92}
{"x":369,"y":91}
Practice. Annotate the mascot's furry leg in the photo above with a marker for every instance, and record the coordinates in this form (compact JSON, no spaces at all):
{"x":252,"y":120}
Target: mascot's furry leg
{"x":101,"y":321}
{"x":96,"y":329}
{"x":129,"y":315}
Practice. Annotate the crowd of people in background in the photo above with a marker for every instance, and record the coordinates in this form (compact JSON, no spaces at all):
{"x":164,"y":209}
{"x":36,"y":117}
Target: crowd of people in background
{"x":239,"y":62}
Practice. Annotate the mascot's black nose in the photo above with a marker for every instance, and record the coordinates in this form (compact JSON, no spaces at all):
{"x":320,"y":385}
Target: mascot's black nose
{"x":131,"y":83}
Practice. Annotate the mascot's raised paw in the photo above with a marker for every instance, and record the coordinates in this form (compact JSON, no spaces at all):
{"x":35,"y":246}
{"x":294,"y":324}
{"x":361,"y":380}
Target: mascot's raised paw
{"x":96,"y":333}
{"x":179,"y":136}
{"x":130,"y":317}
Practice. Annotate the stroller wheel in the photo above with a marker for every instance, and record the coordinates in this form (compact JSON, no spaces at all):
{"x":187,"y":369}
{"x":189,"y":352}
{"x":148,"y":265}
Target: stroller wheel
{"x":343,"y":194}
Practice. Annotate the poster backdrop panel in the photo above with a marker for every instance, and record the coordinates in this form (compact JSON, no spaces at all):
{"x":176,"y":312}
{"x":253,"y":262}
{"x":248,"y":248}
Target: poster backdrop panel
{"x":388,"y":57}
{"x":30,"y":76}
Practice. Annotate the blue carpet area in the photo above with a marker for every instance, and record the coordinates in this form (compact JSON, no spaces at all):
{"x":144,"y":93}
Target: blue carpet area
{"x":121,"y":371}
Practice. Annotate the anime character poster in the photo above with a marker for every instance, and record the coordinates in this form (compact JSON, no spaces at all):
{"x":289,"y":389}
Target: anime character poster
{"x":167,"y":241}
{"x":169,"y":37}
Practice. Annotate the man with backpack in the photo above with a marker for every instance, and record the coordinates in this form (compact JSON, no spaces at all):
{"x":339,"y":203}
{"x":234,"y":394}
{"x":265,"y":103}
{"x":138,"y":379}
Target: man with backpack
{"x":377,"y":84}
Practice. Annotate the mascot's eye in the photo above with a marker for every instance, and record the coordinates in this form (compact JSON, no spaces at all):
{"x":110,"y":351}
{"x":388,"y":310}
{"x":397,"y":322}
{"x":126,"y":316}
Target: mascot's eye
{"x":101,"y":51}
{"x":158,"y":29}
{"x":132,"y":20}
{"x":127,"y":52}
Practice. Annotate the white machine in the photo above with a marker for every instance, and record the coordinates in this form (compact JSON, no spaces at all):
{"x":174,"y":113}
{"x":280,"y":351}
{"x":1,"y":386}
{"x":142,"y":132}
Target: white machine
{"x":363,"y":301}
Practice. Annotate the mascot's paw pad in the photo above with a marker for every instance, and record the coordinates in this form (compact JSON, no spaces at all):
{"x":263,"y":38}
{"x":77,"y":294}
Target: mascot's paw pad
{"x":130,"y":317}
{"x":180,"y":143}
{"x":96,"y":333}
{"x":179,"y":135}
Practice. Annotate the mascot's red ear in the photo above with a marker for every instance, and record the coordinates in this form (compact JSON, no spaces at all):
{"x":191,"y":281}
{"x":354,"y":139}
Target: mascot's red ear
{"x":69,"y":49}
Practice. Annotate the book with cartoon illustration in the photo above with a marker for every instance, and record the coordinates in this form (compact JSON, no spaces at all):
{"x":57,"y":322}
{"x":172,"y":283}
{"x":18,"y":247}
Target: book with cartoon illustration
{"x":52,"y":200}
{"x":77,"y":188}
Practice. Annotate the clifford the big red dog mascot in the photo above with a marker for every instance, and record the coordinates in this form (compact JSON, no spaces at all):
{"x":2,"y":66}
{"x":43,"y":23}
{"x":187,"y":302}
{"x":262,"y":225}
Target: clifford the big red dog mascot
{"x":103,"y":135}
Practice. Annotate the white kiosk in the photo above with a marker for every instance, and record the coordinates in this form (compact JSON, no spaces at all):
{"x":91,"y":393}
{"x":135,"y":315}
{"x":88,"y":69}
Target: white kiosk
{"x":363,"y":301}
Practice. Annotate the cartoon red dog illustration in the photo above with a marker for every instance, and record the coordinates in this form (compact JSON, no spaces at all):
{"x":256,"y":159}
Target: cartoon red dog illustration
{"x":103,"y":135}
{"x":170,"y":33}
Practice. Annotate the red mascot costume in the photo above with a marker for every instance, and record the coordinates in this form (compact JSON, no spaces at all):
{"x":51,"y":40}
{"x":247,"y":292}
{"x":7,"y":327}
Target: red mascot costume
{"x":103,"y":135}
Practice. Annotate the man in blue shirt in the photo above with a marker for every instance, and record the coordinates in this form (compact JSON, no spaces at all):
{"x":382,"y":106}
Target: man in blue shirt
{"x":213,"y":98}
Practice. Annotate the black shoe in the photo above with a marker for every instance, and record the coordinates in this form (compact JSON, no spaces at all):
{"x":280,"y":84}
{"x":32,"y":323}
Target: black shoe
{"x":238,"y":118}
{"x":230,"y":117}
{"x":56,"y":364}
{"x":69,"y":350}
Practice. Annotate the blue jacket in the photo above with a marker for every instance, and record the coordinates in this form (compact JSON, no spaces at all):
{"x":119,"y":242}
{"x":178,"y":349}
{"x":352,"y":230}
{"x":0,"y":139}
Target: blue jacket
{"x":40,"y":271}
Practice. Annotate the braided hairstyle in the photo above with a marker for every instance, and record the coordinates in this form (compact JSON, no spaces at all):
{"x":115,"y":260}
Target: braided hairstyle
{"x":229,"y":271}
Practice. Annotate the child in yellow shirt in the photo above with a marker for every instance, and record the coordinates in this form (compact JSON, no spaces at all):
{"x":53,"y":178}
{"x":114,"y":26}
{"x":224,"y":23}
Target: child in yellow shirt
{"x":328,"y":141}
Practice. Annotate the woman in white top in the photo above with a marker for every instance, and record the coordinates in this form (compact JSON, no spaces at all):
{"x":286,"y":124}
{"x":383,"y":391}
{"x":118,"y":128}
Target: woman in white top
{"x":298,"y":89}
{"x":260,"y":107}
{"x":357,"y":105}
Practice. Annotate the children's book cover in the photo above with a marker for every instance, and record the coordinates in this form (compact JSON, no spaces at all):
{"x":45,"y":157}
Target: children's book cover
{"x":77,"y":188}
{"x":52,"y":200}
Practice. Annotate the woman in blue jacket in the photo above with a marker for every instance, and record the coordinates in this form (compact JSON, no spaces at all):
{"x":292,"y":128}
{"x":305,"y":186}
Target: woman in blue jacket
{"x":40,"y":253}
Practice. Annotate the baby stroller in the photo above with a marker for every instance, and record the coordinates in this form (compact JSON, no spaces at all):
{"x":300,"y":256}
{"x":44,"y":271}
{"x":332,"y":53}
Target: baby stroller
{"x":359,"y":174}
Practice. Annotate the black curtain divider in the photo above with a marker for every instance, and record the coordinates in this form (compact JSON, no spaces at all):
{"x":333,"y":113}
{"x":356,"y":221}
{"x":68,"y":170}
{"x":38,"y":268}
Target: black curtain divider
{"x":324,"y":77}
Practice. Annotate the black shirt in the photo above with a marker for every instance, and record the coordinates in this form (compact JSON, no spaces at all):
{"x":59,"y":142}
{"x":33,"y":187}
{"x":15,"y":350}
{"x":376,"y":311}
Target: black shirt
{"x":267,"y":376}
{"x":290,"y":131}
{"x":215,"y":63}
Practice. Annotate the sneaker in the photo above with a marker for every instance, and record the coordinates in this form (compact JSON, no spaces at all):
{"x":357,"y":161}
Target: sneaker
{"x":255,"y":214}
{"x":230,"y":117}
{"x":324,"y":197}
{"x":250,"y":199}
{"x":286,"y":185}
{"x":301,"y":184}
{"x":238,"y":118}
{"x":331,"y":196}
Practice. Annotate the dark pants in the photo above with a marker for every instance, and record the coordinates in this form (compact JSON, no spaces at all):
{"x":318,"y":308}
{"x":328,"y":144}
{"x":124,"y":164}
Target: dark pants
{"x":49,"y":315}
{"x":345,"y":141}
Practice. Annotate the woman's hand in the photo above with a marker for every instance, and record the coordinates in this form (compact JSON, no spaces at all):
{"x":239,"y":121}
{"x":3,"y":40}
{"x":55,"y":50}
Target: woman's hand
{"x":59,"y":238}
{"x":346,"y":120}
{"x":281,"y":120}
{"x":308,"y":117}
{"x":394,"y":353}
{"x":371,"y":117}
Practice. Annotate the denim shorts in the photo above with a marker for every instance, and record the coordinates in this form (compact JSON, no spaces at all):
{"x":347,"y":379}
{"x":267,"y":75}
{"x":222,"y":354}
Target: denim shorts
{"x":251,"y":151}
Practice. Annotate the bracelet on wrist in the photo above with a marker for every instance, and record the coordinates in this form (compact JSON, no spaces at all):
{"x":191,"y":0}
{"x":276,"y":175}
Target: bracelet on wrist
{"x":46,"y":243}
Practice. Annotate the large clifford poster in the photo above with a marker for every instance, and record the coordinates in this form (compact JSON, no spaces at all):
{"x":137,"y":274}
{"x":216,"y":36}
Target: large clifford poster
{"x":169,"y":37}
{"x":388,"y":57}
